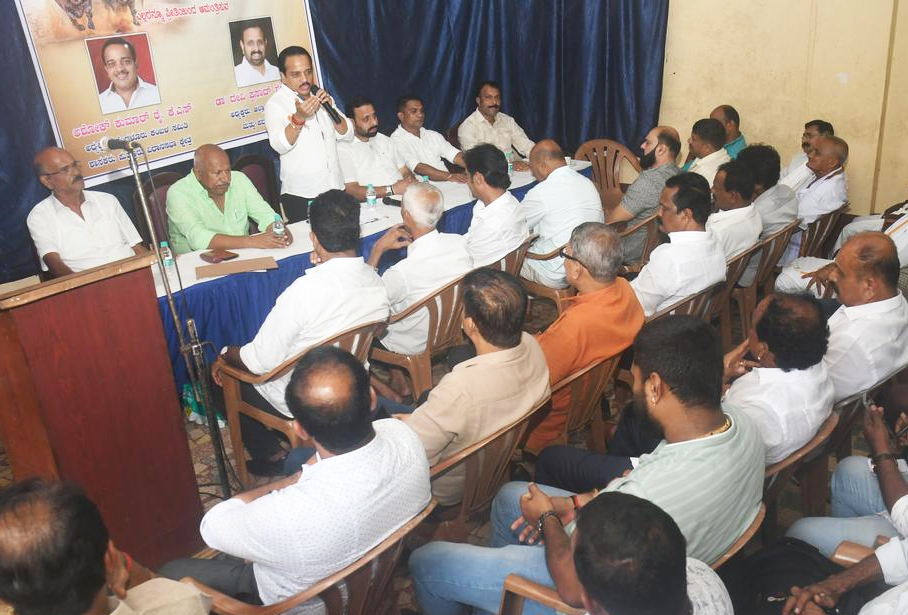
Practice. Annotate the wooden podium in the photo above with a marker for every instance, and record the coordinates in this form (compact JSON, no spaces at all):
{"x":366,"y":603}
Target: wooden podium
{"x":88,"y":395}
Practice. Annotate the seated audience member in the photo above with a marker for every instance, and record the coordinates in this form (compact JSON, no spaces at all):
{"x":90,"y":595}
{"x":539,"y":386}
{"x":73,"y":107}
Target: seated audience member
{"x":775,"y":202}
{"x":56,"y":556}
{"x":367,"y":481}
{"x":736,"y":225}
{"x":76,"y":229}
{"x":433,"y":260}
{"x":370,"y":158}
{"x":788,"y":393}
{"x":707,"y":476}
{"x":340,"y":292}
{"x":210,"y":208}
{"x":796,"y":175}
{"x":561,"y":200}
{"x":895,"y":218}
{"x":488,"y":125}
{"x":692,"y":260}
{"x":660,"y":151}
{"x":731,"y":122}
{"x":706,"y":143}
{"x":601,"y":321}
{"x":498,"y":227}
{"x":422,"y":150}
{"x":505,"y":381}
{"x":630,"y":559}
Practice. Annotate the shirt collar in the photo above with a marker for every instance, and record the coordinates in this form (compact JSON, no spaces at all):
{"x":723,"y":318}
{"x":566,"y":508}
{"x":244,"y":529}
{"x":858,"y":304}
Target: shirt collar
{"x":407,"y":133}
{"x":768,"y":375}
{"x":716,"y":154}
{"x":742,"y":212}
{"x":426,"y":240}
{"x":140,"y":85}
{"x":687,"y":237}
{"x":338,"y":263}
{"x":877,"y":307}
{"x":560,"y":171}
{"x":499,"y":356}
{"x":482,"y":118}
{"x":499,"y":201}
{"x":596,"y":295}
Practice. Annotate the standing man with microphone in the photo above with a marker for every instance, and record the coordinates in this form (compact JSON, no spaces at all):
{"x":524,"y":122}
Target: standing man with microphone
{"x":304,"y":128}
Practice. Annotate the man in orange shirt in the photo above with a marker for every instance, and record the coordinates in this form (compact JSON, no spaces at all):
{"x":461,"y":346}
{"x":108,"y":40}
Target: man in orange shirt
{"x":600,"y":322}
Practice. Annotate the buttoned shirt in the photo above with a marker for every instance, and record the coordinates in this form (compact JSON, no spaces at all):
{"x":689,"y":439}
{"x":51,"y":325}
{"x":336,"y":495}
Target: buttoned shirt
{"x":553,"y":208}
{"x":370,"y":162}
{"x":505,"y":134}
{"x":309,"y":166}
{"x":778,"y":207}
{"x":709,"y":165}
{"x":734,"y":148}
{"x":867,"y":343}
{"x":194,"y":219}
{"x":432,"y":261}
{"x":328,"y":299}
{"x":103,"y":234}
{"x":476,"y":399}
{"x":428,"y":148}
{"x":341,"y":507}
{"x":246,"y":74}
{"x":157,"y":596}
{"x":496,"y":230}
{"x":796,"y":175}
{"x":893,"y":559}
{"x":821,"y":196}
{"x":689,"y":263}
{"x":642,"y":200}
{"x":145,"y":94}
{"x":787,"y":407}
{"x":736,"y":230}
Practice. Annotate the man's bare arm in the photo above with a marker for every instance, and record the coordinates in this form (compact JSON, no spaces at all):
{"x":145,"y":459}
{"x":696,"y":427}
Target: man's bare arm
{"x":56,"y":265}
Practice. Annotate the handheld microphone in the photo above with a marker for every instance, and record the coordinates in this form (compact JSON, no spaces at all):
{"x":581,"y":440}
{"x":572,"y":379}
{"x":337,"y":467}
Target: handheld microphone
{"x":332,"y":112}
{"x":111,"y":144}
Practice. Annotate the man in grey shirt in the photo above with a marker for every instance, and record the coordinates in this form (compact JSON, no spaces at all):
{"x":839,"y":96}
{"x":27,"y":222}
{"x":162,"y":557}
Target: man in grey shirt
{"x":660,"y":150}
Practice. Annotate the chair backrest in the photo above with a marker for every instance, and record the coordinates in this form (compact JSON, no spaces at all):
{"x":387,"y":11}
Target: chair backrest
{"x":743,"y":539}
{"x":698,"y":305}
{"x":734,"y":269}
{"x":445,"y":308}
{"x":452,"y":136}
{"x":513,"y":261}
{"x":818,"y":232}
{"x":651,"y":225}
{"x":607,"y":156}
{"x":157,"y":205}
{"x":260,"y":171}
{"x":517,"y":589}
{"x":587,"y":387}
{"x":772,"y":249}
{"x":778,"y":474}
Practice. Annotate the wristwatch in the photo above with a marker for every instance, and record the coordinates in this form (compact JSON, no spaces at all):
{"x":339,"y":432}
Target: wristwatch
{"x":876,"y":459}
{"x":540,"y":525}
{"x":390,"y":190}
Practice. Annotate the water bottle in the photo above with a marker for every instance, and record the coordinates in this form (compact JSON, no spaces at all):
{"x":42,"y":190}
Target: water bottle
{"x":371,"y":200}
{"x":424,"y":179}
{"x":166,"y":257}
{"x":278,"y":227}
{"x":510,"y":157}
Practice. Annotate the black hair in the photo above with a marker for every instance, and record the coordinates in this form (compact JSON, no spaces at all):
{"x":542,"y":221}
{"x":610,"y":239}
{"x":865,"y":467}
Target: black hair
{"x":731,"y":114}
{"x":693,"y":193}
{"x":764,"y":164}
{"x":355,"y":103}
{"x":795,"y":330}
{"x":497,"y":303}
{"x":738,"y":178}
{"x":711,"y":131}
{"x":403,"y":100}
{"x":822,"y":126}
{"x":287,"y":52}
{"x":118,"y":40}
{"x":334,"y":218}
{"x":341,"y":424}
{"x":666,"y":138}
{"x":687,"y":354}
{"x":488,"y":161}
{"x":490,"y":83}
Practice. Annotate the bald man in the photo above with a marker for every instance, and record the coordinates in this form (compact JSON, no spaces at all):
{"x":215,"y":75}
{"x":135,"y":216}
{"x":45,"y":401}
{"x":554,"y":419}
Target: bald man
{"x":210,"y":208}
{"x":75,"y":229}
{"x":660,"y":151}
{"x":562,"y":200}
{"x":734,"y":140}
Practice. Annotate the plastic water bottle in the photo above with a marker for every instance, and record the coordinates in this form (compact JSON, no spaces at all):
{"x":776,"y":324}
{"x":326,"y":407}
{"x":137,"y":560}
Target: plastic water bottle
{"x":510,"y":157}
{"x":371,"y":200}
{"x":425,"y":179}
{"x":167,"y":257}
{"x":278,"y":226}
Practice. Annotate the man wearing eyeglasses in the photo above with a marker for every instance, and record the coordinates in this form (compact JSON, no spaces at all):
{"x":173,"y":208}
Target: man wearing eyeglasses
{"x":75,"y":229}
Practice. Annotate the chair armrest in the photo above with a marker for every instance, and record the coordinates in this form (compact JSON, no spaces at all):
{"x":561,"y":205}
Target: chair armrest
{"x":538,"y":593}
{"x":243,"y":375}
{"x":533,"y":256}
{"x":222,"y":603}
{"x":849,"y":553}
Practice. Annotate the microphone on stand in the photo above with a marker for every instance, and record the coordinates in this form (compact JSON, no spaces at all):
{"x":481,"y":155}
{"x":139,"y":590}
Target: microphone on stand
{"x":110,"y":144}
{"x":332,"y":112}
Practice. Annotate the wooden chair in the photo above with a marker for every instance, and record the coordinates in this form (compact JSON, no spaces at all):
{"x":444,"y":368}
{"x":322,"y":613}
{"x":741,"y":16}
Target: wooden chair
{"x":742,"y":540}
{"x":558,"y":295}
{"x":818,"y":232}
{"x":698,"y":305}
{"x":721,"y":307}
{"x":651,"y":225}
{"x":517,"y":590}
{"x":452,"y":136}
{"x":771,"y":250}
{"x":486,"y":464}
{"x":357,"y":340}
{"x":445,"y":308}
{"x":587,"y":387}
{"x":157,"y":206}
{"x":367,"y":580}
{"x":260,"y":171}
{"x":513,"y":261}
{"x":607,"y":156}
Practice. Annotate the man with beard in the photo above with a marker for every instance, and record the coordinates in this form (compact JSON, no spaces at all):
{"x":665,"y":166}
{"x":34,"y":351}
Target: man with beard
{"x":488,"y":125}
{"x":303,"y":134}
{"x":127,"y":90}
{"x":796,"y":175}
{"x":660,"y":151}
{"x":254,"y":68}
{"x":76,"y":229}
{"x":370,"y":158}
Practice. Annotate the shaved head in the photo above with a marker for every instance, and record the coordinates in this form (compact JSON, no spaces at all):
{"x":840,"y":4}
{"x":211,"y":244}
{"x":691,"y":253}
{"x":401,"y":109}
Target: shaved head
{"x":208,"y":153}
{"x":211,"y":166}
{"x":878,"y":256}
{"x":545,"y":157}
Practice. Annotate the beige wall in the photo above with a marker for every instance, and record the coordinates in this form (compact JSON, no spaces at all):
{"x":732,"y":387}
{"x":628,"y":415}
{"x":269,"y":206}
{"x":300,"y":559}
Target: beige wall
{"x":783,"y":62}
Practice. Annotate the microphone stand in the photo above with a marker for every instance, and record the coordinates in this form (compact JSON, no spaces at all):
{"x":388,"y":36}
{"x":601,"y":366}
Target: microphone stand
{"x":192,"y":350}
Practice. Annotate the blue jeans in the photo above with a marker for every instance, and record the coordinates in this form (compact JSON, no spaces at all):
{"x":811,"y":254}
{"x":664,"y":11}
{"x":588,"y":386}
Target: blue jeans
{"x":856,"y":500}
{"x":450,"y":578}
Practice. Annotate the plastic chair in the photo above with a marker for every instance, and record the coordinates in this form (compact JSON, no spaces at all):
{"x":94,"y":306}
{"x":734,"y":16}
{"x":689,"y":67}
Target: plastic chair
{"x":607,"y":156}
{"x":517,"y":590}
{"x":357,"y":340}
{"x":157,"y":206}
{"x":513,"y":261}
{"x":742,"y":540}
{"x":367,"y":581}
{"x":587,"y":387}
{"x":651,"y":225}
{"x":818,"y":232}
{"x":558,"y":295}
{"x":697,"y":305}
{"x":721,"y":307}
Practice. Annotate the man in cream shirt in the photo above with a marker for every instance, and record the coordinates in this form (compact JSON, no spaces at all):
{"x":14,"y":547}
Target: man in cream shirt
{"x":736,"y":225}
{"x":707,"y":143}
{"x":488,"y":125}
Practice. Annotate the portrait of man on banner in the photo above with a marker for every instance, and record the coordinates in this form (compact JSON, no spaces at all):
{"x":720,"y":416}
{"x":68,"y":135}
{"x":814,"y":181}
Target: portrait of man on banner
{"x":124,"y":72}
{"x":254,"y":51}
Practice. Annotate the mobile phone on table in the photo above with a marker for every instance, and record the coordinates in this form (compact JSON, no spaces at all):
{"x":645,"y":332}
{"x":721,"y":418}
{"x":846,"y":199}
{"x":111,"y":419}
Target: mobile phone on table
{"x":218,"y":256}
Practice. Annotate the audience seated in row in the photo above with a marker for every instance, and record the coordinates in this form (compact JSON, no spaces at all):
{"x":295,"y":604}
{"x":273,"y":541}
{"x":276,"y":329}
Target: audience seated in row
{"x":707,"y":146}
{"x":735,"y":224}
{"x":797,"y":175}
{"x":731,"y":122}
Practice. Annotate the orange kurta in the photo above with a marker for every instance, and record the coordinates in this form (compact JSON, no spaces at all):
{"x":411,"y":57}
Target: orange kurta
{"x":594,"y":326}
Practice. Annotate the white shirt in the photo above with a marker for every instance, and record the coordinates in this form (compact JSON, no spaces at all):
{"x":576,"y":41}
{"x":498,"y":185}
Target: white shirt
{"x":370,"y":162}
{"x":104,"y":234}
{"x":246,"y":74}
{"x":145,"y":94}
{"x":309,"y":166}
{"x":867,"y":343}
{"x":796,"y":175}
{"x":736,"y":230}
{"x":778,"y":207}
{"x":496,"y":230}
{"x":691,"y":262}
{"x":553,"y":208}
{"x":505,"y":134}
{"x":428,"y":148}
{"x":432,"y":261}
{"x":709,"y":165}
{"x":787,"y":407}
{"x":893,"y":559}
{"x":326,"y":300}
{"x":822,"y":196}
{"x":341,"y":507}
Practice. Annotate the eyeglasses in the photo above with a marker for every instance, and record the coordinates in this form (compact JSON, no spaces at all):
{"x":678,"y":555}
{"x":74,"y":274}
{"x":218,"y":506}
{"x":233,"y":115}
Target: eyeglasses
{"x":564,"y":254}
{"x":74,"y":165}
